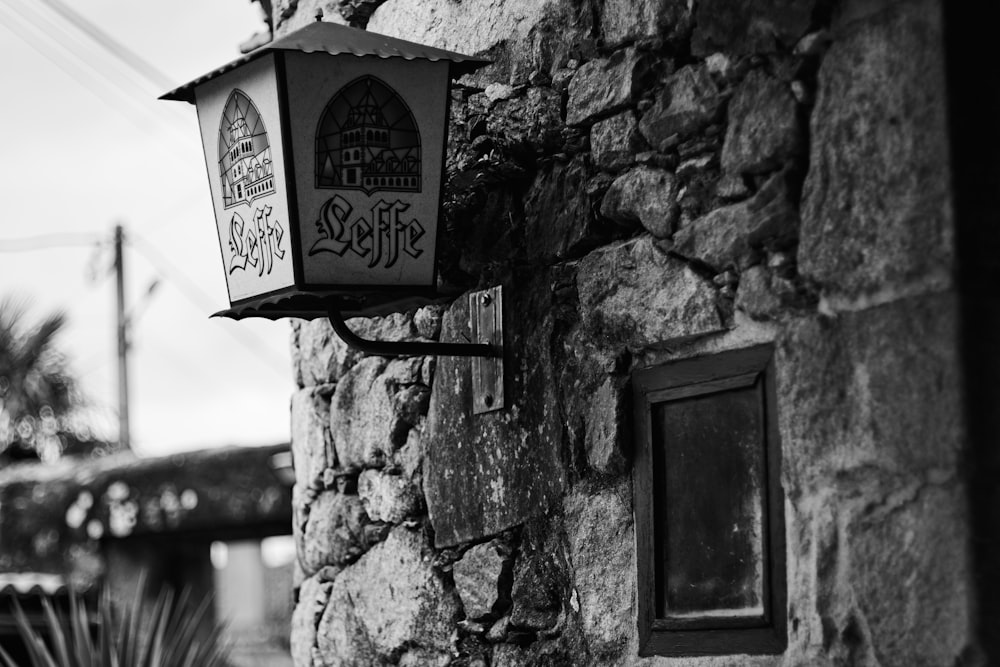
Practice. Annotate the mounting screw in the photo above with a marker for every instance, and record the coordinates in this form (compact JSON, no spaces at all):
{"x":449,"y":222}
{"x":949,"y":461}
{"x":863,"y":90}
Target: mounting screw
{"x":488,"y":400}
{"x":486,"y":299}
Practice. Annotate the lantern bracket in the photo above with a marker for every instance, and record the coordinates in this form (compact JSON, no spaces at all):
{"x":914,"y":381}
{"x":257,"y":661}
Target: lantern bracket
{"x":486,"y":348}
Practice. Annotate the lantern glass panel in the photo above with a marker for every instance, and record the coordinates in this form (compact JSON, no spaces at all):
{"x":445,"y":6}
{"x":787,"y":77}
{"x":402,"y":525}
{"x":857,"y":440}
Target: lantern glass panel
{"x":241,"y":133}
{"x":367,"y":138}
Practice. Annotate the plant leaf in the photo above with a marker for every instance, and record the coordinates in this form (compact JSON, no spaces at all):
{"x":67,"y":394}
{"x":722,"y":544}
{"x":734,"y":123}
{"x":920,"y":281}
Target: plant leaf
{"x":57,"y":633}
{"x":7,"y":660}
{"x":167,"y":632}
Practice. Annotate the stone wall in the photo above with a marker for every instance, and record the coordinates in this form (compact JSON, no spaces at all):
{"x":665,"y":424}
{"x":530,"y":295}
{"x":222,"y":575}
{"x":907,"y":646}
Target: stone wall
{"x":652,"y":180}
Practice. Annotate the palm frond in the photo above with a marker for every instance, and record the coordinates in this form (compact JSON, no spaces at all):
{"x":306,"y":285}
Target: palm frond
{"x":35,"y":344}
{"x":36,"y":383}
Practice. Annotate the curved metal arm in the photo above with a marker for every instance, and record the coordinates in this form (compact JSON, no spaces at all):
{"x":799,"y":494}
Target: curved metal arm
{"x":387,"y":348}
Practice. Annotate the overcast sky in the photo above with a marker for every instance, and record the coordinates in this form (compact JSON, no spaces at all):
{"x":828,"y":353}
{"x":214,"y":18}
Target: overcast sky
{"x":86,"y":144}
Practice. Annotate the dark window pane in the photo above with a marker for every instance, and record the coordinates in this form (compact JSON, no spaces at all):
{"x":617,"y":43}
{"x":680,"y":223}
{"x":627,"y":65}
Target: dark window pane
{"x":709,"y":473}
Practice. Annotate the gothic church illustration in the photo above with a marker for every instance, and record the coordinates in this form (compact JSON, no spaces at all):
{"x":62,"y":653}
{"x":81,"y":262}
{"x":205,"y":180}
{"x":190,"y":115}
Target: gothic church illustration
{"x":245,"y":165}
{"x":368,"y":140}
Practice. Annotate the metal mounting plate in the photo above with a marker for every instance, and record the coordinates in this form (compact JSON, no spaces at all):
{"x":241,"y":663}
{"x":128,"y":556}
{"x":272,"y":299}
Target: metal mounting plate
{"x":486,"y":323}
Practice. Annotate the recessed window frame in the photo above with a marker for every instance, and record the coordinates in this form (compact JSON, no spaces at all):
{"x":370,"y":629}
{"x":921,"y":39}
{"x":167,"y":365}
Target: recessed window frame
{"x":702,"y":376}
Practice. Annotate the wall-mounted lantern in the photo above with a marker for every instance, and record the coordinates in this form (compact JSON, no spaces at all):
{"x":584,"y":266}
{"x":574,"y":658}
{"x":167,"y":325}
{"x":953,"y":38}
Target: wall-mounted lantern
{"x":325,"y":155}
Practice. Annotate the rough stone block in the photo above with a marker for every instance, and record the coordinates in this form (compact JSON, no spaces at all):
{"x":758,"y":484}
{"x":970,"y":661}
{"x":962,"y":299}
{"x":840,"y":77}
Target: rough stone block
{"x":357,"y":12}
{"x":876,"y":210}
{"x":334,"y":532}
{"x":410,"y":405}
{"x":318,"y":355}
{"x":397,"y":326}
{"x":877,"y":388}
{"x":419,"y":657}
{"x":560,"y":651}
{"x":312,"y":599}
{"x":427,"y":322}
{"x":390,"y":600}
{"x":626,"y":20}
{"x":878,"y":571}
{"x":764,"y":130}
{"x":755,"y":296}
{"x":498,"y":631}
{"x":298,"y":575}
{"x":731,"y":187}
{"x":537,"y":591}
{"x":480,"y":575}
{"x":473,"y":26}
{"x":312,"y":447}
{"x":290,"y":15}
{"x":604,"y":86}
{"x":601,"y":538}
{"x":486,"y":473}
{"x":606,"y":438}
{"x":302,"y":497}
{"x":742,"y":27}
{"x":773,"y":292}
{"x":583,"y":368}
{"x":557,"y":209}
{"x":634,"y":295}
{"x":565,"y":32}
{"x":521,"y":36}
{"x":689,"y":101}
{"x":645,"y":195}
{"x":541,"y":590}
{"x":361,"y":417}
{"x":725,"y":236}
{"x":340,"y":637}
{"x":534,"y":118}
{"x":499,"y":91}
{"x":615,"y":141}
{"x":375,"y":405}
{"x":410,"y":457}
{"x":387,"y":497}
{"x":908,"y":567}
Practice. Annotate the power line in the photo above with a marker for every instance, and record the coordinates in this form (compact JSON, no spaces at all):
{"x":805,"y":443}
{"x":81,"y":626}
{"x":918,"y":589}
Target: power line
{"x":196,"y":295}
{"x":58,"y":34}
{"x":52,"y":40}
{"x":28,"y":29}
{"x":111,"y":79}
{"x":188,"y":288}
{"x":48,"y":241}
{"x":168,"y":216}
{"x":56,"y":37}
{"x":21,"y":29}
{"x":130,"y":58}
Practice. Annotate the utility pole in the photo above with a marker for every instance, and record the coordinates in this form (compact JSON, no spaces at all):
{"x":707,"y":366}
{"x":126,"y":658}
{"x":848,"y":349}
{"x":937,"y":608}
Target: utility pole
{"x":123,"y":426}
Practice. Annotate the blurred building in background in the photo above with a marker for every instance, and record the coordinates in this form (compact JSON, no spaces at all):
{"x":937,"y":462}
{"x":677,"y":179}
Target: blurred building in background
{"x":216,"y":522}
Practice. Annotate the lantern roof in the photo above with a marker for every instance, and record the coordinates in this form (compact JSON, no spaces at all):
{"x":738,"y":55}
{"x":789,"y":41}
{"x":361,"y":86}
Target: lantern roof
{"x":336,"y":39}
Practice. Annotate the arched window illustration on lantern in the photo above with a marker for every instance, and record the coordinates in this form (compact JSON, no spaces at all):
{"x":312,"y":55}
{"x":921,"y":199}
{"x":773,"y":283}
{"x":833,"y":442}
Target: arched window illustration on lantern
{"x":371,"y":116}
{"x":244,"y":152}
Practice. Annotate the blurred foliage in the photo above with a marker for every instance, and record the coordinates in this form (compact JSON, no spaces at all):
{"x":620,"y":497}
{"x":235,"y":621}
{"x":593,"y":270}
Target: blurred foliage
{"x":168,"y":632}
{"x":39,"y":399}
